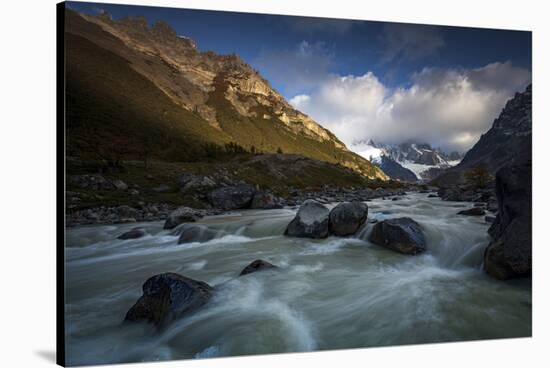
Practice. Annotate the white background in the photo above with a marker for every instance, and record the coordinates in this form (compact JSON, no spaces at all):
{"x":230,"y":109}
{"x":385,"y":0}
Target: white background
{"x":27,"y":206}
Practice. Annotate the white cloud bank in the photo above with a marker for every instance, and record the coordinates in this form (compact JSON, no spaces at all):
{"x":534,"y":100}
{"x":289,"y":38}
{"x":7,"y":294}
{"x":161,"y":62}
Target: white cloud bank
{"x":448,"y":108}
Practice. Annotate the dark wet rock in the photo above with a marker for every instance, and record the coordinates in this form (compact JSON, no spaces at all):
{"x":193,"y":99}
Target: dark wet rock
{"x":474,"y":211}
{"x":449,"y":194}
{"x":257,"y":265}
{"x":168,"y":296}
{"x":403,"y":235}
{"x":311,"y":221}
{"x":490,"y":219}
{"x":264,"y":200}
{"x":232,"y":197}
{"x":135,"y":233}
{"x":433,"y":196}
{"x":492,"y":206}
{"x":181,"y":215}
{"x":509,"y":253}
{"x":190,"y":233}
{"x":347,"y":217}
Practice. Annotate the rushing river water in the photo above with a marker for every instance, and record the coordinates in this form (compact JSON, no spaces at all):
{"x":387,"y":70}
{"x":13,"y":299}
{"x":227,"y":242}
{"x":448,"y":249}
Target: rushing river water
{"x":330,"y":294}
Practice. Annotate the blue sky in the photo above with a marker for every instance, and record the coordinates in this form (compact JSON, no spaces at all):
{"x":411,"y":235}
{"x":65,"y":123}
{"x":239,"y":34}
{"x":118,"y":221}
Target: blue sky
{"x":301,"y":57}
{"x":353,"y":47}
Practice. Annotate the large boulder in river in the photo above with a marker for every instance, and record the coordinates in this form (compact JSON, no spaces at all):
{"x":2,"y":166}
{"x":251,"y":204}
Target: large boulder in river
{"x":232,"y":197}
{"x":190,"y":233}
{"x":168,"y":296}
{"x":311,"y":221}
{"x":264,"y":200}
{"x":347,"y":217}
{"x":509,"y":253}
{"x":474,"y":211}
{"x":402,"y":235}
{"x":181,"y":215}
{"x":135,"y":233}
{"x":257,"y":265}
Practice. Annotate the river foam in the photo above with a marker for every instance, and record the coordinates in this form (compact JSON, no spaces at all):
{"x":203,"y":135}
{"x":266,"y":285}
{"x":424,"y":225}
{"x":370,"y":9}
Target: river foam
{"x":326,"y":294}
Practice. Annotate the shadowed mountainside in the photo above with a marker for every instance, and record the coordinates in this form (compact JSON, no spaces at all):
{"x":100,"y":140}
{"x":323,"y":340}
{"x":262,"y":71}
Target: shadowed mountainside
{"x":507,"y":142}
{"x":140,"y":92}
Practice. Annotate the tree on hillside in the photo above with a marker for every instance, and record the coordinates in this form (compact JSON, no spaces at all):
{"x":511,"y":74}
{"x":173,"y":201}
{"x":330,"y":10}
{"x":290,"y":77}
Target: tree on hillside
{"x":478,"y":176}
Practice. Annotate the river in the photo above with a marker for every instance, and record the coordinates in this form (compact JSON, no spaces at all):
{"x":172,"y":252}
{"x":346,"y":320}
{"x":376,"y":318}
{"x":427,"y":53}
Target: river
{"x":333,"y":293}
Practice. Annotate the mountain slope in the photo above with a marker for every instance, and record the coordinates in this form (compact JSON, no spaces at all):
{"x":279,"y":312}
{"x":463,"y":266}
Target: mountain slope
{"x":394,"y":170}
{"x":506,"y":142}
{"x":152,"y":92}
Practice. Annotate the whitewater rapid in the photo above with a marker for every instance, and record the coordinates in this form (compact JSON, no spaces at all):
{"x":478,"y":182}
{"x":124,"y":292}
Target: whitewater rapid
{"x":329,"y":294}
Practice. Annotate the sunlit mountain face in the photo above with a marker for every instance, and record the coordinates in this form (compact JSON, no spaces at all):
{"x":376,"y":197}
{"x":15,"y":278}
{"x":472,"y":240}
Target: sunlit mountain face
{"x":392,"y":83}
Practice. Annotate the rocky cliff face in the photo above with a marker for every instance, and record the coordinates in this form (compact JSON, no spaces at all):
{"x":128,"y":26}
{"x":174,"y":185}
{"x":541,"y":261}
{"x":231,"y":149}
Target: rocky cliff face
{"x":505,"y":152}
{"x":507,"y":142}
{"x":224,"y":91}
{"x":509,"y":254}
{"x":509,"y":139}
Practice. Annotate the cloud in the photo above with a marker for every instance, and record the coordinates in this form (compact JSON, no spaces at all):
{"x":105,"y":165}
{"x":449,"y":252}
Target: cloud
{"x":311,"y":25}
{"x":448,"y":108}
{"x":406,"y":42}
{"x":299,"y":69}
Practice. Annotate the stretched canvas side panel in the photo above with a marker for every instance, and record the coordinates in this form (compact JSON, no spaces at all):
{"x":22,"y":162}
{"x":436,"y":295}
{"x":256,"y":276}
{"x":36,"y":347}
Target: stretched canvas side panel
{"x":60,"y":190}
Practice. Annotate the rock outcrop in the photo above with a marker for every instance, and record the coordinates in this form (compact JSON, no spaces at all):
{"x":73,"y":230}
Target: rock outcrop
{"x":509,"y":253}
{"x":311,"y":221}
{"x":403,"y":235}
{"x":347,"y":217}
{"x":168,"y":296}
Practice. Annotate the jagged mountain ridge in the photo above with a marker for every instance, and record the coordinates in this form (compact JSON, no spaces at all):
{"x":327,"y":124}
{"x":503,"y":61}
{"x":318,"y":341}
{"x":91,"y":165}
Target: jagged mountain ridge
{"x":508,"y":141}
{"x":420,"y":159}
{"x":220,"y":91}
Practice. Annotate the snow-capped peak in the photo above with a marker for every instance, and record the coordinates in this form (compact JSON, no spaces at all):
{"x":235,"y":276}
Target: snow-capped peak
{"x":414,"y":156}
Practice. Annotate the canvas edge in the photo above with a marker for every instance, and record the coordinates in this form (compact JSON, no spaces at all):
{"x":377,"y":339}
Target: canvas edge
{"x":60,"y":184}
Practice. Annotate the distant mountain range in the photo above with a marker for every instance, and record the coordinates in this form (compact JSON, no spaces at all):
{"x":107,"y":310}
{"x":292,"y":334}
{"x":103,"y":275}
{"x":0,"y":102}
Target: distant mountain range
{"x":407,"y":161}
{"x":507,"y":142}
{"x":137,"y":91}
